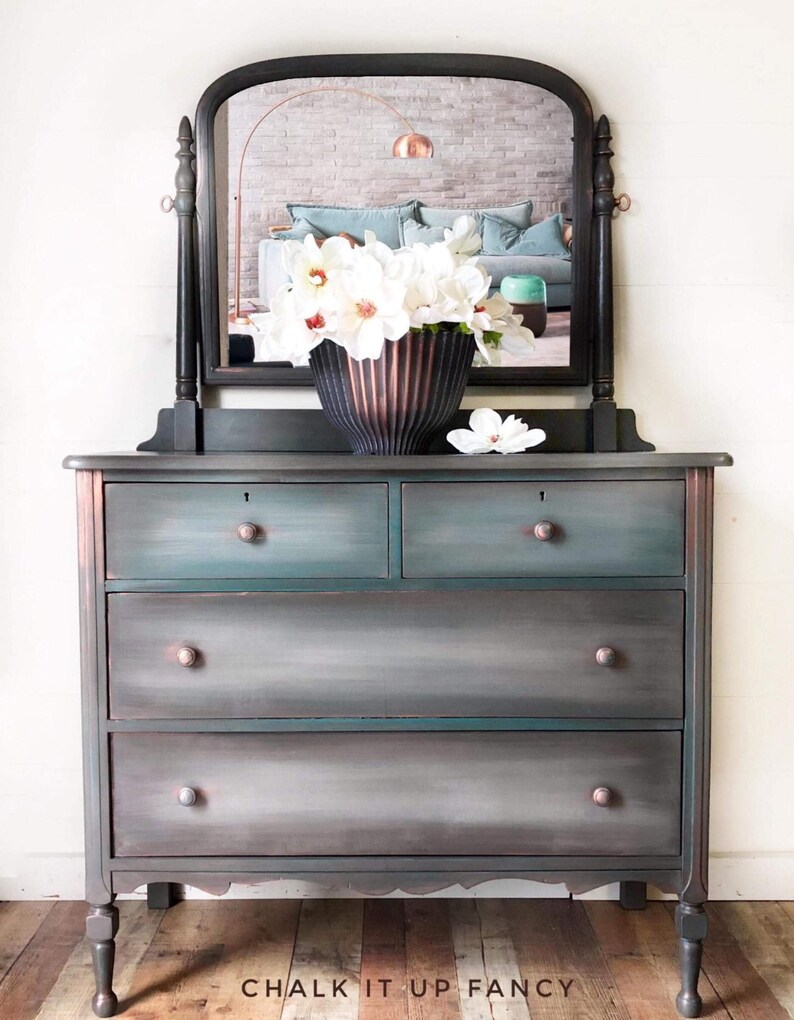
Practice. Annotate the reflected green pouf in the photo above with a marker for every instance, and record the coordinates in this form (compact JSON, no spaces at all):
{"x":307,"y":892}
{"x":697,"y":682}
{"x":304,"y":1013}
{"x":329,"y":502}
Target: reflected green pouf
{"x":527,"y":295}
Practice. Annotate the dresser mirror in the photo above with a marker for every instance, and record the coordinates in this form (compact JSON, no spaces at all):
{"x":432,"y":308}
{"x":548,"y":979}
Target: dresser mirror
{"x":400,"y":146}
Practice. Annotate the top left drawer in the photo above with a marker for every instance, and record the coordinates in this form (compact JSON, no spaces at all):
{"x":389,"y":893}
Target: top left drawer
{"x":223,"y":530}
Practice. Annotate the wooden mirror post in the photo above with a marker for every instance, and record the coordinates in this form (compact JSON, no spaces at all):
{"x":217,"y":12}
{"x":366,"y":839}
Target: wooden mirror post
{"x":186,"y":408}
{"x":604,"y":409}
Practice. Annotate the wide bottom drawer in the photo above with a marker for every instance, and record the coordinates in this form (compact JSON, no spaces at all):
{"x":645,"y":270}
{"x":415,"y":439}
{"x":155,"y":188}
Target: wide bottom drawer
{"x":312,"y":794}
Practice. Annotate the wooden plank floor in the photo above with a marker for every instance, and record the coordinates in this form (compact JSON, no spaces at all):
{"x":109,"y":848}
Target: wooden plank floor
{"x":415,"y":959}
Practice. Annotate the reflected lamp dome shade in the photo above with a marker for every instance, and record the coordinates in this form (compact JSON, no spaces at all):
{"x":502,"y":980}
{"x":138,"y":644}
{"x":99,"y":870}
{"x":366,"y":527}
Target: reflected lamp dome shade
{"x":413,"y":146}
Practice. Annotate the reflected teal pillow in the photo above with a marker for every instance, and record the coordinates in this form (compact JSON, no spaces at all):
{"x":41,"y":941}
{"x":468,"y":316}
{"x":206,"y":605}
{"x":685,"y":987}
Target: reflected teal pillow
{"x":413,"y":231}
{"x":520,"y":214}
{"x":299,"y":231}
{"x":545,"y":238}
{"x":335,"y":219}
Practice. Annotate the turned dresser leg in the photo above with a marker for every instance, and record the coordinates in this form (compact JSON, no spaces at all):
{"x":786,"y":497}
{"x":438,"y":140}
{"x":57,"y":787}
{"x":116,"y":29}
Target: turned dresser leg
{"x":101,"y":926}
{"x":633,"y":895}
{"x":692,"y":925}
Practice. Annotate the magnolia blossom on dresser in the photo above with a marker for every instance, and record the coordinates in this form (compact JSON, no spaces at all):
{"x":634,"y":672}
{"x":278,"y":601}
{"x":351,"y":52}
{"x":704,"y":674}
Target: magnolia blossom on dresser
{"x":487,"y":432}
{"x":360,"y":297}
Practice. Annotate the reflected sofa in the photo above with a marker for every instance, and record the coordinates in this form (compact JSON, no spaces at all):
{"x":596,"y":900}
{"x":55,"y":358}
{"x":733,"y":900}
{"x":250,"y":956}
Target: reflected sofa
{"x":512,"y":243}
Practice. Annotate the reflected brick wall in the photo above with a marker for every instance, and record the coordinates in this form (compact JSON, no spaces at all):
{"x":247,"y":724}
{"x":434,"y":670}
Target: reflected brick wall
{"x":496,"y":143}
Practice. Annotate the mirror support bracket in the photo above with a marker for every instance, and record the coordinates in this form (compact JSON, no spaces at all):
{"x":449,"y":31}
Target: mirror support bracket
{"x":186,"y":407}
{"x":603,"y":408}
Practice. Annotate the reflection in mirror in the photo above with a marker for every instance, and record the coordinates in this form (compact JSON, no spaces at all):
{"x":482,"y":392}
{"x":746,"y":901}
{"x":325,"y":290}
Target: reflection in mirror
{"x":321,"y":156}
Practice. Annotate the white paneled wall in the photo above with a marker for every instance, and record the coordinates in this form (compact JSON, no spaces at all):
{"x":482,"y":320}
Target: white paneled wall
{"x":700,"y":94}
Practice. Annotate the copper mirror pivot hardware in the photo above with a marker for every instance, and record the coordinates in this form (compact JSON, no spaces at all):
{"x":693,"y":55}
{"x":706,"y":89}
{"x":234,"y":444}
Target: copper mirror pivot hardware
{"x":187,"y":796}
{"x":186,"y":656}
{"x":602,"y":796}
{"x":623,"y":202}
{"x":606,"y":656}
{"x":543,"y":531}
{"x":247,"y":532}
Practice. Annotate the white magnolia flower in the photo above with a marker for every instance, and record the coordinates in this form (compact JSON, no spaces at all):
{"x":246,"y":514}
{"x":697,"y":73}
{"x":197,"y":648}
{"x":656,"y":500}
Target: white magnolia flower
{"x":421,"y":301}
{"x":398,"y":265}
{"x":444,"y":289}
{"x":311,"y":268}
{"x":516,"y":339}
{"x":495,"y":315}
{"x":463,"y":238}
{"x":437,"y":260}
{"x":488,"y":432}
{"x":371,"y":308}
{"x":488,"y":311}
{"x":463,"y":291}
{"x":285,"y":335}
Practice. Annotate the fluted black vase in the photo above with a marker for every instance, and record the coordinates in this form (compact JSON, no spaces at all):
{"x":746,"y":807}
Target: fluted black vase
{"x":398,"y":403}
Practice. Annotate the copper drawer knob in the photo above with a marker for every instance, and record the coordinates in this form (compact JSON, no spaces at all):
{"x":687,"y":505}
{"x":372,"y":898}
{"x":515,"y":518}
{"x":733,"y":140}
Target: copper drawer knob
{"x":544,"y":531}
{"x":247,"y":532}
{"x":186,"y":796}
{"x":602,"y":796}
{"x":186,"y":656}
{"x":606,"y":656}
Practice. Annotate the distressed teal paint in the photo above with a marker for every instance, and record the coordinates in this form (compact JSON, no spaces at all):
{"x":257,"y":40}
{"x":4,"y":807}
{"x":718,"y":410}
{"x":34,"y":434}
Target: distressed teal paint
{"x":485,"y":529}
{"x":190,"y":531}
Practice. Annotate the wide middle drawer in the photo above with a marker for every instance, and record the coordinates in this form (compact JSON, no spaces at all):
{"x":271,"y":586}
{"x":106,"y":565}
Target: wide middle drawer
{"x":194,"y":530}
{"x":578,"y":654}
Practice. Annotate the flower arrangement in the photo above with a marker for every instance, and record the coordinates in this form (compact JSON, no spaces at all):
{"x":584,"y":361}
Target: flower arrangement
{"x":360,"y":297}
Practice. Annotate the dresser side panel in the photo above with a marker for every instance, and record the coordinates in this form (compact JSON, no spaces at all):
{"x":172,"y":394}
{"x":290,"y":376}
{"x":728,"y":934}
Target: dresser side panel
{"x":91,"y":560}
{"x":697,"y":686}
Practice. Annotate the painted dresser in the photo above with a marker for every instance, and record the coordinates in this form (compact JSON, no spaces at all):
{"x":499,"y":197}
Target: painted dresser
{"x":402,"y":672}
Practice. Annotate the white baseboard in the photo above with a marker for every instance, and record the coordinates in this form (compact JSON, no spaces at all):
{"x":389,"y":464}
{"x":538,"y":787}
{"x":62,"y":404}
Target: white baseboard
{"x":765,"y":876}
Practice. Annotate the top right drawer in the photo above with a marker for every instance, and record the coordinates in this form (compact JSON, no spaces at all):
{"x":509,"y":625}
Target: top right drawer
{"x":543,"y":529}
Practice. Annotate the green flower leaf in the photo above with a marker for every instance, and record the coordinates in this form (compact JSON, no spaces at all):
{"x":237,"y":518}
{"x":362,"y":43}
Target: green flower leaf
{"x":492,"y":338}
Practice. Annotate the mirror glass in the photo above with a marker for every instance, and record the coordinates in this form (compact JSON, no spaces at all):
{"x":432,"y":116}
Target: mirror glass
{"x":316,"y":155}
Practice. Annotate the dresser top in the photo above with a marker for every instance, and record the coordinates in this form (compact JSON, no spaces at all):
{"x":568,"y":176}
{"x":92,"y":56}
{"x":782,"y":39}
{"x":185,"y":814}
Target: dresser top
{"x":301,"y":463}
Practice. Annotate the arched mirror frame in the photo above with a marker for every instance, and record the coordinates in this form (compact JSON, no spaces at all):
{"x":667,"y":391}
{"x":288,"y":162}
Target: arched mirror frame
{"x":576,"y":373}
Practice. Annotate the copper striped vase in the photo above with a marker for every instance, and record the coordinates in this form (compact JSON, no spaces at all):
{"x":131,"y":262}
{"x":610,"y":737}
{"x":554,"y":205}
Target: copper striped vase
{"x":398,"y":403}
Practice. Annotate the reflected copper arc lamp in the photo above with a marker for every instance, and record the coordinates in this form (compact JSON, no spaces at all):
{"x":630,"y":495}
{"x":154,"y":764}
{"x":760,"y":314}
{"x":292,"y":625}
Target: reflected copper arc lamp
{"x":411,"y":145}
